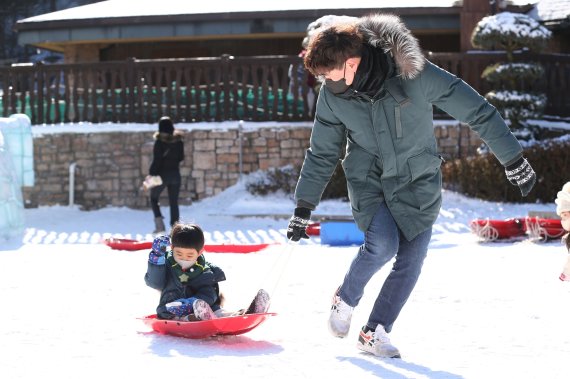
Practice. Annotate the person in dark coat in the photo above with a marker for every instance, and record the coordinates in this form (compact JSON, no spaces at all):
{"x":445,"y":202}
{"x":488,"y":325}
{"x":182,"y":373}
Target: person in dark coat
{"x":167,"y":154}
{"x":378,"y":97}
{"x":188,"y":284}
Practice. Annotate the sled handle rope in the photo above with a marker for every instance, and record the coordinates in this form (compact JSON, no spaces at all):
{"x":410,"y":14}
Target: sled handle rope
{"x":535,"y":230}
{"x":486,"y":232}
{"x":278,"y":268}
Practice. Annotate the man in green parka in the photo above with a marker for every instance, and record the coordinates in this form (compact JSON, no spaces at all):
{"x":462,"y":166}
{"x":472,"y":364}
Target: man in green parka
{"x":378,"y":95}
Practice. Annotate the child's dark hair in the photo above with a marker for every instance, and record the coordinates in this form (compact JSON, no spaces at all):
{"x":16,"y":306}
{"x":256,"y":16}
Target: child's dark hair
{"x":566,"y":241}
{"x":187,"y":236}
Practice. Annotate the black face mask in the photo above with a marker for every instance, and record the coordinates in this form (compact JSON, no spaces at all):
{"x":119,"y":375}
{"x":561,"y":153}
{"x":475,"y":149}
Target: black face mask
{"x":338,"y":86}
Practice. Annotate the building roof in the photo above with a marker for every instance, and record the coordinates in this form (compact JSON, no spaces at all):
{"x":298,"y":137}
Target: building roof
{"x":145,"y":8}
{"x":551,"y":12}
{"x":120,"y":21}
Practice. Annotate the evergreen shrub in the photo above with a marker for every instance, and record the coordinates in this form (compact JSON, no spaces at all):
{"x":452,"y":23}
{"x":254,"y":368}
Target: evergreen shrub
{"x":483,"y":176}
{"x":285,"y":179}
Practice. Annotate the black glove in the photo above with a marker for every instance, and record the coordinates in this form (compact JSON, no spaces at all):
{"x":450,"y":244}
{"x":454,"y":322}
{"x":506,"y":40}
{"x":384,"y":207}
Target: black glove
{"x":521,"y":174}
{"x":298,"y":224}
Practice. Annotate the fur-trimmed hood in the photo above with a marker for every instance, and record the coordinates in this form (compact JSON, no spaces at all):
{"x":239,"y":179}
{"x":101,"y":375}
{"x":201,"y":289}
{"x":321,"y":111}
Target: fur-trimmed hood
{"x":168,"y":138}
{"x":389,"y":32}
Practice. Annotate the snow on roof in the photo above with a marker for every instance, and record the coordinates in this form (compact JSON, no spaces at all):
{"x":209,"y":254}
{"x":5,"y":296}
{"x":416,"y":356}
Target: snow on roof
{"x":125,"y":8}
{"x":550,"y":10}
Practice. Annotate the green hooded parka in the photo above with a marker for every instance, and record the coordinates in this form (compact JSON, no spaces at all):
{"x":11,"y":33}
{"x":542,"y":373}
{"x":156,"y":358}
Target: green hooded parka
{"x":391,"y":153}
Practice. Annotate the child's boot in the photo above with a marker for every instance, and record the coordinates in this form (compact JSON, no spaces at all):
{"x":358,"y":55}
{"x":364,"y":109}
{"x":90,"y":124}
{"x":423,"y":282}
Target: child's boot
{"x":260,"y":303}
{"x":202,"y":310}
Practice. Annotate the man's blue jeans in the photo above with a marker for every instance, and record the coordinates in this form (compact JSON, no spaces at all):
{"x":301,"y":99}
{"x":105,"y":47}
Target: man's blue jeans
{"x":382,"y":241}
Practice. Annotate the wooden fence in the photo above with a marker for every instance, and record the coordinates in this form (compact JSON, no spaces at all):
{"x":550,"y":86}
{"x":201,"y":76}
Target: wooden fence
{"x":209,"y":89}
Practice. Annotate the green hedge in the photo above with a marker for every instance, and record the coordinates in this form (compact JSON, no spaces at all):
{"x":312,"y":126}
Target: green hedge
{"x":480,"y":177}
{"x":483,"y":176}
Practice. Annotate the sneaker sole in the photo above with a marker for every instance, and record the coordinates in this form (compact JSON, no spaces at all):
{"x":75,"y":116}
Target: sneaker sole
{"x":373,"y":352}
{"x":337,"y":333}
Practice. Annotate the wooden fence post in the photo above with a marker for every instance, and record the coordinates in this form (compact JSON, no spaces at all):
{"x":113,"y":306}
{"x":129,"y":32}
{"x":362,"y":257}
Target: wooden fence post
{"x":131,"y":85}
{"x":225,"y":68}
{"x":40,"y":89}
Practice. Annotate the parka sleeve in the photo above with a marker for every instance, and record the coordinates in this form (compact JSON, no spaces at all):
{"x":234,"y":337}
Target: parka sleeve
{"x":459,"y":100}
{"x":327,"y":138}
{"x":155,"y":276}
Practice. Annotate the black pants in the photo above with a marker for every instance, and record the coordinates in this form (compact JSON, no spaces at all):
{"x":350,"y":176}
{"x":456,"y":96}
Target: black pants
{"x":171,"y":181}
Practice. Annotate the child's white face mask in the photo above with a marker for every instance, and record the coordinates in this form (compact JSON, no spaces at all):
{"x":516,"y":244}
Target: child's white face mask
{"x":185,"y":256}
{"x":184,"y":264}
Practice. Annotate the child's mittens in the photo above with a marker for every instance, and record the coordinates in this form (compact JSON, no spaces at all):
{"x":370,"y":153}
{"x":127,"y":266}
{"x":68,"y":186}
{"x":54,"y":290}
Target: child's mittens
{"x":181,"y":307}
{"x":160,"y":246}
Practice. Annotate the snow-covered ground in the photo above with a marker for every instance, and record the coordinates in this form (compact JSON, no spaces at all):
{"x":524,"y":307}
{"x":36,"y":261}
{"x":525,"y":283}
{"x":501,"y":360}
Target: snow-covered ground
{"x":480,"y":310}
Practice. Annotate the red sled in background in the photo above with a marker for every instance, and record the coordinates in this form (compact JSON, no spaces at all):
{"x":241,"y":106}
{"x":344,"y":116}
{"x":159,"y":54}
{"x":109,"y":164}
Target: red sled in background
{"x":133,"y":245}
{"x":492,"y":230}
{"x":544,"y":228}
{"x":223,"y":326}
{"x":536,"y":228}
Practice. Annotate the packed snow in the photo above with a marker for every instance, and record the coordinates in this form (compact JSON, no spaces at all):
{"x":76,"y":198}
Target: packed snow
{"x":71,"y":305}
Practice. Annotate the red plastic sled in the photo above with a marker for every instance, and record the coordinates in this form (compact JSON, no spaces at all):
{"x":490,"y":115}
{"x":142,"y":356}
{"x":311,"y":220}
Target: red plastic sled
{"x":314,"y":229}
{"x":132,"y":245}
{"x":233,"y":325}
{"x":533,"y":227}
{"x":491,"y":230}
{"x":544,"y":228}
{"x":127,"y":244}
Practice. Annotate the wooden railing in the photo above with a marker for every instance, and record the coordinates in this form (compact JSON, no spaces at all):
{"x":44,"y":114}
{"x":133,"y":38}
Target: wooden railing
{"x":208,"y":89}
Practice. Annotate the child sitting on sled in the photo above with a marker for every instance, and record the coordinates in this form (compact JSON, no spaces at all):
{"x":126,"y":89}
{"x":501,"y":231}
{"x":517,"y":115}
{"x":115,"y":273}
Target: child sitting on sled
{"x":188,"y":284}
{"x":563,"y":210}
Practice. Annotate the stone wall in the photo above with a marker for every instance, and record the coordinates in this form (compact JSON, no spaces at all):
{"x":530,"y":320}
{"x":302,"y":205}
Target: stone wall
{"x":110,"y":166}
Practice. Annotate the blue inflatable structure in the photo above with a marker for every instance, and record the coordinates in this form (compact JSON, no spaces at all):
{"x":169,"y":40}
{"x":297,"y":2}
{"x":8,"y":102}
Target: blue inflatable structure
{"x":16,"y":170}
{"x":341,"y":233}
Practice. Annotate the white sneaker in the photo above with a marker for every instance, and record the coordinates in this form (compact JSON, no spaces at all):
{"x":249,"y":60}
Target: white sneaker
{"x":202,"y":310}
{"x":377,"y":342}
{"x":339,"y":319}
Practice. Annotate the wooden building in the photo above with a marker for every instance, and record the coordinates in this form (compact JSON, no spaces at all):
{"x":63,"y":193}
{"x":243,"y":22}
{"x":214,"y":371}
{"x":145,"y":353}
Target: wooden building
{"x":148,"y":29}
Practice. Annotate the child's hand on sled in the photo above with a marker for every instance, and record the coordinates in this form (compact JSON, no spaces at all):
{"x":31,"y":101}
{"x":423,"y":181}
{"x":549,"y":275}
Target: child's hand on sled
{"x":160,"y":246}
{"x":181,"y":307}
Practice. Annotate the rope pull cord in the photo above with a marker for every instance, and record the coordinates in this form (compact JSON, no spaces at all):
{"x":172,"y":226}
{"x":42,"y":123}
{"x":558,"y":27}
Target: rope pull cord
{"x":486,"y":232}
{"x":275,"y":274}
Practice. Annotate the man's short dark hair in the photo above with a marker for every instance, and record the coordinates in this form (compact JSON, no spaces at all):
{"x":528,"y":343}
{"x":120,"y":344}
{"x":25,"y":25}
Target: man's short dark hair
{"x":331,"y":47}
